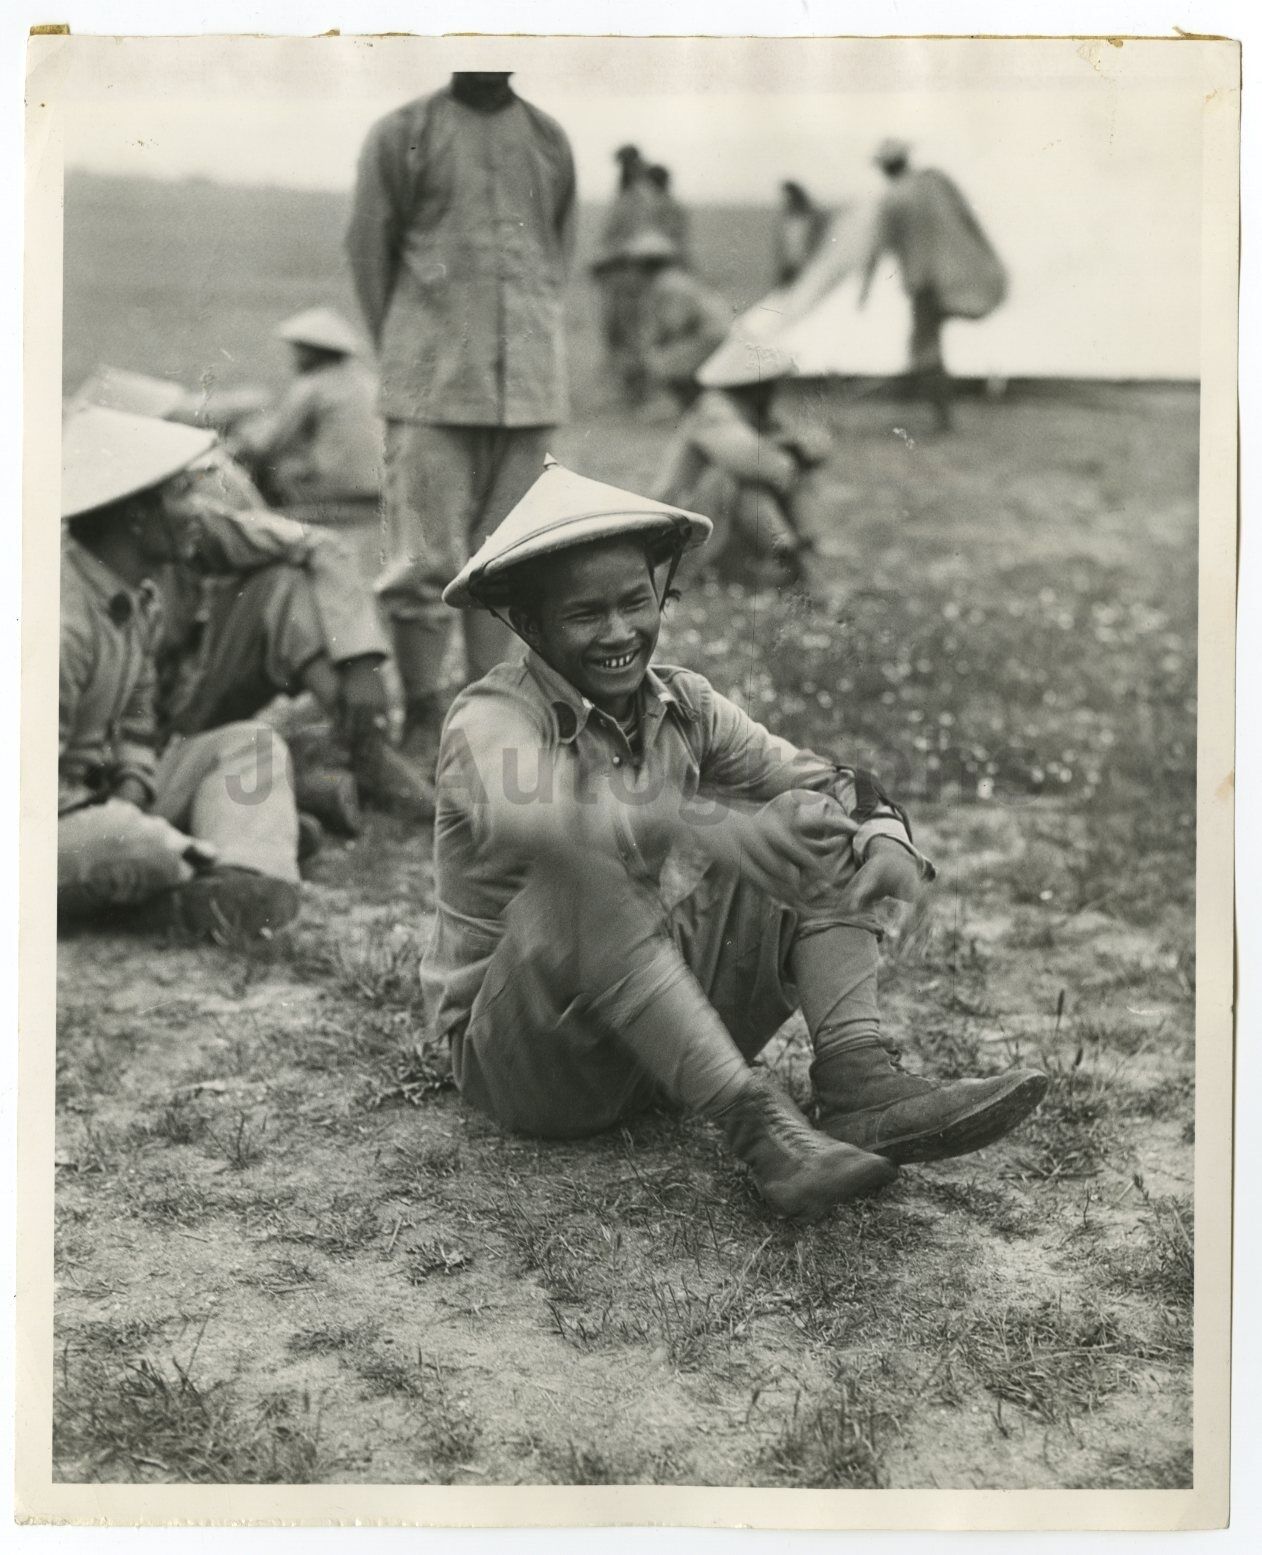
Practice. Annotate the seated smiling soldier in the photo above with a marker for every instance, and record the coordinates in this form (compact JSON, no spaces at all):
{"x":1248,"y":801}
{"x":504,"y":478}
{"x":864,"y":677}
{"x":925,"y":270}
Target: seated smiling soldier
{"x":637,"y":884}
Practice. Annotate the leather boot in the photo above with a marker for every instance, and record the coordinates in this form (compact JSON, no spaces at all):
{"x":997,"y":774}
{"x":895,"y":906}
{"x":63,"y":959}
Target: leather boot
{"x":867,"y":1099}
{"x":798,"y":1171}
{"x":225,"y":901}
{"x":310,"y":837}
{"x":422,"y":729}
{"x":388,"y":781}
{"x":329,"y":792}
{"x":323,"y":783}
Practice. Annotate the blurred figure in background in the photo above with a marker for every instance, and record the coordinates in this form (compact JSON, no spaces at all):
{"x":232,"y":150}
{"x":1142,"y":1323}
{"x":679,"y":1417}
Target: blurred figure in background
{"x":459,"y":242}
{"x":733,"y":460}
{"x":800,"y":229}
{"x":317,"y":452}
{"x":619,"y":285}
{"x":683,"y":321}
{"x":948,"y":267}
{"x":669,"y":216}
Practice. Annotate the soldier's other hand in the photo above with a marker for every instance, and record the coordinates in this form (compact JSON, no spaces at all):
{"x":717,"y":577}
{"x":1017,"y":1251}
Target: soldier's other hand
{"x":766,"y":848}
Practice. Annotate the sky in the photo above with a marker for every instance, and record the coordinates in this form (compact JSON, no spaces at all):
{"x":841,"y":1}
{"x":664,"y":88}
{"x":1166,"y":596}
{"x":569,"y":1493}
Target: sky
{"x":1083,"y":160}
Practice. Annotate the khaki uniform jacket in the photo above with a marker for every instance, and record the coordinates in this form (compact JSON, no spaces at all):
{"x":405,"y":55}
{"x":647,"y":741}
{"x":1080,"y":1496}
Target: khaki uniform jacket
{"x":519,"y":729}
{"x":684,"y":323}
{"x":459,"y":244}
{"x":106,"y":683}
{"x":227,"y":544}
{"x":324,"y":437}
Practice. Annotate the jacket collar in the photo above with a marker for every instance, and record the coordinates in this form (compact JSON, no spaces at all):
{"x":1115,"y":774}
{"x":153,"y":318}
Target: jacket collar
{"x":121,"y":602}
{"x":571,"y":710}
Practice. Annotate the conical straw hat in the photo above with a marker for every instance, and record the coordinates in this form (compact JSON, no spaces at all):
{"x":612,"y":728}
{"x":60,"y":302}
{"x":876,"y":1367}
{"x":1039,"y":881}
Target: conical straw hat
{"x":321,"y":327}
{"x":561,"y":510}
{"x":118,"y":389}
{"x":744,"y":359}
{"x":107,"y":455}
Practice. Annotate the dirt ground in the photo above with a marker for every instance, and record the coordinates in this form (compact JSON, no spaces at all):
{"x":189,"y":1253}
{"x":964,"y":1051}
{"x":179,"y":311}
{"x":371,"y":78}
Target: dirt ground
{"x":286,"y":1251}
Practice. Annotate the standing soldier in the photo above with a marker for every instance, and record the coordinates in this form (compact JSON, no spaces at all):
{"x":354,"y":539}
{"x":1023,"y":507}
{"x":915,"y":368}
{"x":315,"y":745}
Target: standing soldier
{"x":949,"y":270}
{"x":669,"y":216}
{"x":619,"y":284}
{"x":459,"y":242}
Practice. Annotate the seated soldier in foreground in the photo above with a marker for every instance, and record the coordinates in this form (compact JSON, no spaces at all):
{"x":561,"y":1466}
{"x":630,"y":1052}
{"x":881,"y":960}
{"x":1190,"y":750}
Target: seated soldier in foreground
{"x":735,"y":461}
{"x":204,"y":830}
{"x":637,"y":884}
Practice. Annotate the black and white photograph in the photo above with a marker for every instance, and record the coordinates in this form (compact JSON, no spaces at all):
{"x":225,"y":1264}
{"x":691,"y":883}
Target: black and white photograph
{"x":628,"y":834}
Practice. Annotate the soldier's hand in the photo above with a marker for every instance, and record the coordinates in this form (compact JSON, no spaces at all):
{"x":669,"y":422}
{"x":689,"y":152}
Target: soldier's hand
{"x":132,"y":791}
{"x":888,"y":870}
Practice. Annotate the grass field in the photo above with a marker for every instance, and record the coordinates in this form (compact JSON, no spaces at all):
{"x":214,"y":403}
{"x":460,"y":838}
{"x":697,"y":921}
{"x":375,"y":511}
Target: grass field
{"x":286,"y":1252}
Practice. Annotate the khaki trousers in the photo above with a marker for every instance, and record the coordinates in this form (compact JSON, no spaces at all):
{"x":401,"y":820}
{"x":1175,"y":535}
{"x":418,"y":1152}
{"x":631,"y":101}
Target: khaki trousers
{"x":231,"y":787}
{"x":446,"y":488}
{"x":587,"y":951}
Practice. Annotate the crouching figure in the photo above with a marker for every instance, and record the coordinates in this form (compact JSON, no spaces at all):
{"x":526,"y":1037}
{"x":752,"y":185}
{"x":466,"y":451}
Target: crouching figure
{"x":637,"y":884}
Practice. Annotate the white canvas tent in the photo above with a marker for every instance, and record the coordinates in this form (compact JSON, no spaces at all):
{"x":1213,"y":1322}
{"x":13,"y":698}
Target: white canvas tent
{"x":1061,"y":318}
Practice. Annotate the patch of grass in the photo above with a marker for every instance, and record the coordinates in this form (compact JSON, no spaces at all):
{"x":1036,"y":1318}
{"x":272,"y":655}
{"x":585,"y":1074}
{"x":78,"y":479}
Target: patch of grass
{"x":1053,"y":1360}
{"x":1119,"y":1034}
{"x":436,"y":1257}
{"x":178,"y":1122}
{"x":450,"y":1431}
{"x":141,"y":1420}
{"x":1075,"y":1125}
{"x":281,"y":1276}
{"x":383,"y":971}
{"x":582,"y":1464}
{"x":1163,"y":1264}
{"x":341,"y":1227}
{"x":114,"y":1334}
{"x":412,"y":1077}
{"x":176,"y":1203}
{"x":241,"y":1143}
{"x":414,"y":1167}
{"x":1134,"y":1468}
{"x":834,"y":1443}
{"x":998,"y":1209}
{"x":330,"y":1338}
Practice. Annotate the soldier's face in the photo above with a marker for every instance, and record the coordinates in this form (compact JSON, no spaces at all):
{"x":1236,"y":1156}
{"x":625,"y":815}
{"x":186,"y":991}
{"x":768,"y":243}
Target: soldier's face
{"x":155,"y":532}
{"x":598,"y":621}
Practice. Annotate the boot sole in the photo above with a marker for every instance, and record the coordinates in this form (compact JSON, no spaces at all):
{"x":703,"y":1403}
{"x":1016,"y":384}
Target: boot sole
{"x":854,"y":1181}
{"x":973,"y":1130}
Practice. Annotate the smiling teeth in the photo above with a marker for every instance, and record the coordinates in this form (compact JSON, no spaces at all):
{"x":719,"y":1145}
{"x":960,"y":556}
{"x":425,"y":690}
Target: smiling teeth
{"x":620,"y":663}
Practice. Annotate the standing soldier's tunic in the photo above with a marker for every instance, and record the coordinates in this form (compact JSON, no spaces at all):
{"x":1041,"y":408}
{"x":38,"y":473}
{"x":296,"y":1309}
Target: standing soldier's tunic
{"x":459,"y":242}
